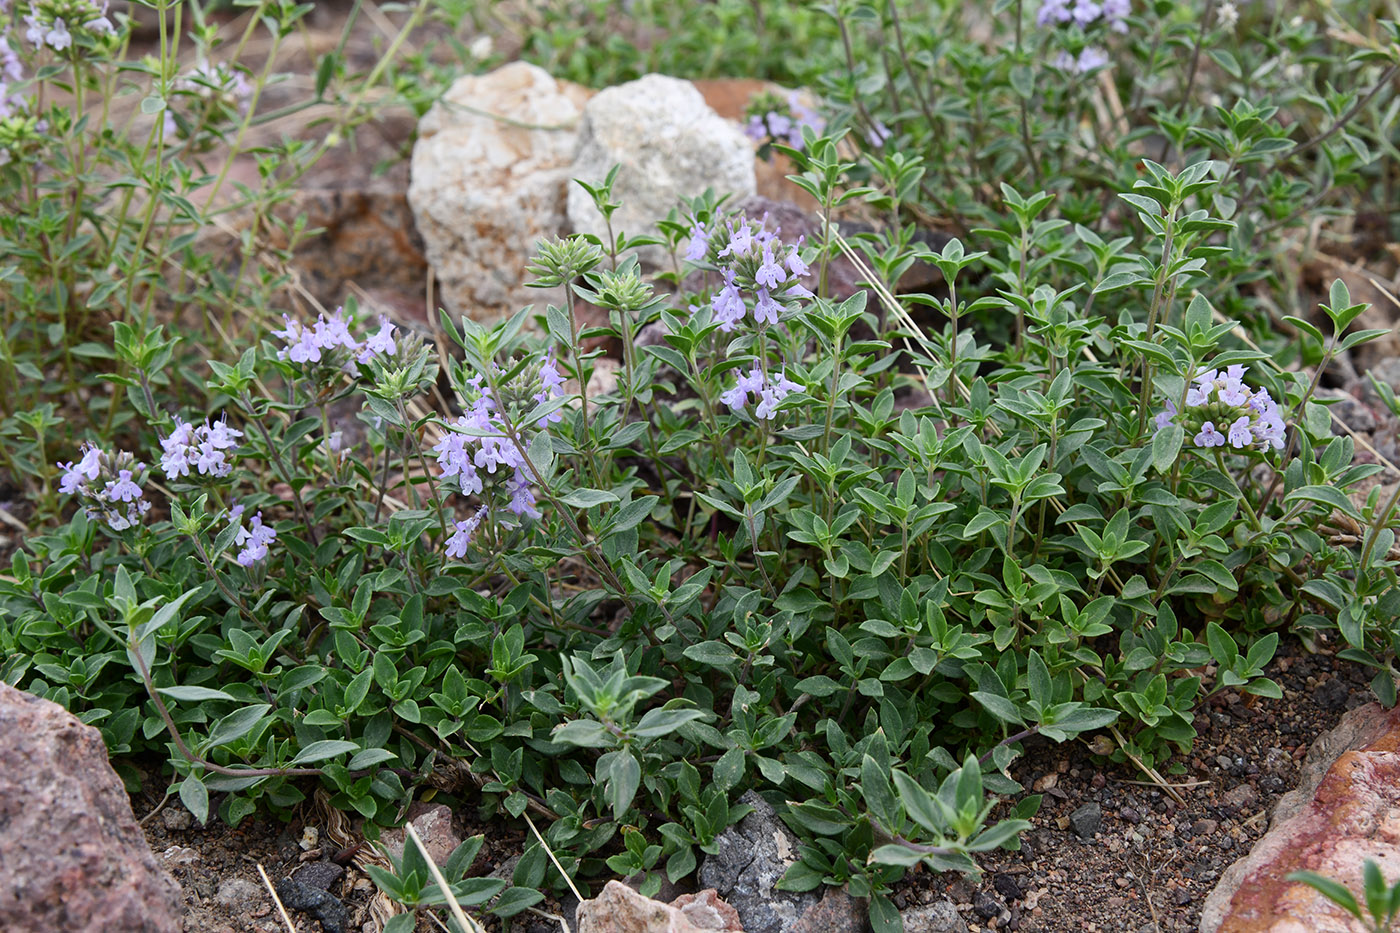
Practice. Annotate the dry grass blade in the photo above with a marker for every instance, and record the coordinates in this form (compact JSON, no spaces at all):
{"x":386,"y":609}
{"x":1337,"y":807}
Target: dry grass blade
{"x":550,"y":852}
{"x":465,"y":922}
{"x":291,"y":927}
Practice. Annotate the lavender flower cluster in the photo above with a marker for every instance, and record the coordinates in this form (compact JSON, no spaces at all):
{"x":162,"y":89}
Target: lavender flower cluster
{"x":481,"y":440}
{"x":1221,"y":409}
{"x":108,"y":484}
{"x":1085,"y":14}
{"x":770,"y":120}
{"x":204,"y":448}
{"x":753,"y":260}
{"x":329,"y":340}
{"x":223,"y":90}
{"x":254,"y":540}
{"x":51,"y":23}
{"x":769,"y":390}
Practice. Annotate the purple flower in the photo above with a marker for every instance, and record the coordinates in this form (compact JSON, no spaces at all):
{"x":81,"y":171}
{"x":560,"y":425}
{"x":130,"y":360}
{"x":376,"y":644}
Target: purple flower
{"x":1091,"y":59}
{"x":794,"y":260}
{"x":1240,"y":435}
{"x":1115,"y":11}
{"x":551,"y":386}
{"x":1086,"y":11}
{"x":202,"y":447}
{"x":254,"y":540}
{"x":380,"y":343}
{"x":770,"y":274}
{"x":123,"y":489}
{"x":1209,"y":437}
{"x":878,"y":134}
{"x":1053,"y":11}
{"x":522,"y":497}
{"x":765,"y":310}
{"x":1233,"y":391}
{"x":728,"y":305}
{"x":462,"y":536}
{"x":456,"y":460}
{"x":1165,"y":416}
{"x":740,"y":240}
{"x":737,"y":397}
{"x":1270,"y":430}
{"x":699,"y":246}
{"x":58,"y":37}
{"x":1198,"y":395}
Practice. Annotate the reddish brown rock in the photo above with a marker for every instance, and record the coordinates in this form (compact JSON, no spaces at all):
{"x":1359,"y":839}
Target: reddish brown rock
{"x":1346,"y":810}
{"x":619,"y":909}
{"x":74,"y":859}
{"x":433,"y":821}
{"x":708,"y":911}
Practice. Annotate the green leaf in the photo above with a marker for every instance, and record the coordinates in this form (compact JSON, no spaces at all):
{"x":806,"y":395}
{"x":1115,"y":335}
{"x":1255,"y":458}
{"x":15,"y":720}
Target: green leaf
{"x":192,"y":694}
{"x":588,"y":498}
{"x":1165,"y":447}
{"x":237,"y":724}
{"x":659,"y":722}
{"x":999,"y":706}
{"x":320,"y":751}
{"x":921,"y":806}
{"x":884,"y":916}
{"x":195,"y":796}
{"x":729,"y":770}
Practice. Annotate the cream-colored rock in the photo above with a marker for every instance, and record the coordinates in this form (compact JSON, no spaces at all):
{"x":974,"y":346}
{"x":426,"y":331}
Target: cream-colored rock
{"x":489,"y":172}
{"x":668,"y":143}
{"x":619,"y":909}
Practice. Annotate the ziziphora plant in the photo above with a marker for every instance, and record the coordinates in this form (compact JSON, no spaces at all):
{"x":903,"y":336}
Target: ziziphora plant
{"x":605,"y":565}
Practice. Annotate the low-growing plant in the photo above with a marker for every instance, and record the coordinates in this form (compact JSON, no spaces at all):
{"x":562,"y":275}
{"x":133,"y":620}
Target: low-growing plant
{"x":853,"y":551}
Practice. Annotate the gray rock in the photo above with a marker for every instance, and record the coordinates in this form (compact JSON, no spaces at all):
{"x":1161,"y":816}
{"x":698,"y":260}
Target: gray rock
{"x":752,"y":858}
{"x":668,"y":144}
{"x":239,"y":895}
{"x":315,"y":903}
{"x":489,"y":173}
{"x":74,"y":858}
{"x":320,"y":875}
{"x":1386,"y":371}
{"x":1086,"y":821}
{"x":940,"y":917}
{"x":176,"y":818}
{"x":837,"y":912}
{"x":985,"y":906}
{"x":1354,"y":414}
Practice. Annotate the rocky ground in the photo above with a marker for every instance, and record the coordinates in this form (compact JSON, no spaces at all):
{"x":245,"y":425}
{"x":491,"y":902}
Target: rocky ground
{"x":1108,"y":851}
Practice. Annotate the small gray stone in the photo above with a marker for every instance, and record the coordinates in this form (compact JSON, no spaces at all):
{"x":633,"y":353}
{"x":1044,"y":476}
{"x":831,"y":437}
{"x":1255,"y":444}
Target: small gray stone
{"x":319,"y":875}
{"x":1086,"y":821}
{"x":939,"y":917}
{"x":315,"y":903}
{"x":1332,"y":695}
{"x":752,"y":858}
{"x":1354,"y":414}
{"x":239,"y":895}
{"x":176,"y":818}
{"x":1007,"y":887}
{"x":1242,"y":796}
{"x":985,"y":906}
